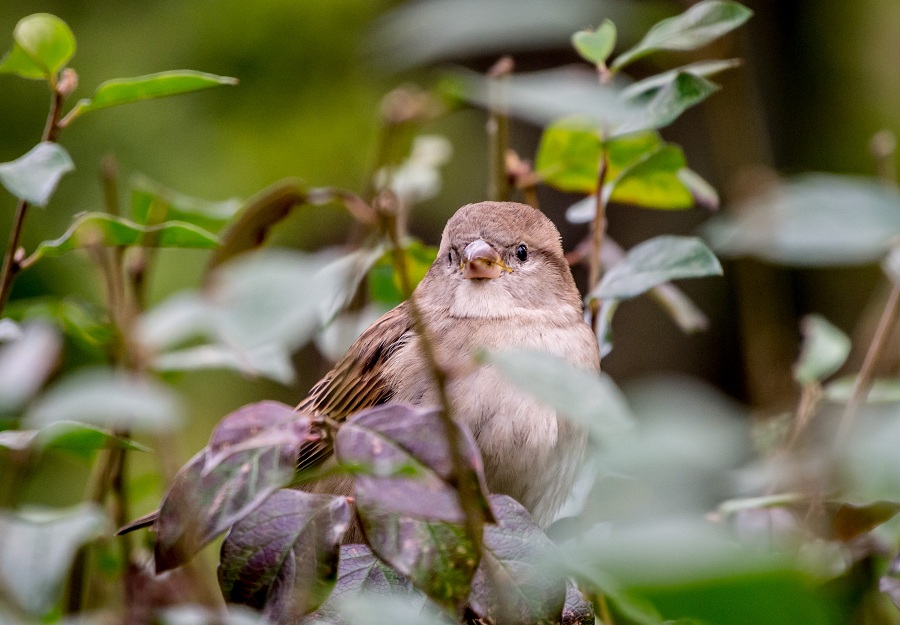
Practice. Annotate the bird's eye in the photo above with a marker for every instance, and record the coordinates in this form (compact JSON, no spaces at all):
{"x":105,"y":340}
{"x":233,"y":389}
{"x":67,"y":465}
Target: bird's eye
{"x":522,"y":252}
{"x":450,"y":257}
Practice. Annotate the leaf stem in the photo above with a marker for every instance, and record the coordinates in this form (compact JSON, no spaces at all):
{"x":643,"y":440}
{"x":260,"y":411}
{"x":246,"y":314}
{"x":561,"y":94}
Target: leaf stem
{"x":12,"y":257}
{"x":863,"y":382}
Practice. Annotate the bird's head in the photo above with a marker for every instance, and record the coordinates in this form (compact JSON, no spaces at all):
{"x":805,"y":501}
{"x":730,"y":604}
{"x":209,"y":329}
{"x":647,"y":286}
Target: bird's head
{"x":500,"y":260}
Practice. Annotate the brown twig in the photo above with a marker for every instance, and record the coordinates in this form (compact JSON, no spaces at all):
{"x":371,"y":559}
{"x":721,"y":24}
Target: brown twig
{"x":498,"y":128}
{"x":863,"y":382}
{"x":598,"y":226}
{"x":466,"y":487}
{"x":12,"y":257}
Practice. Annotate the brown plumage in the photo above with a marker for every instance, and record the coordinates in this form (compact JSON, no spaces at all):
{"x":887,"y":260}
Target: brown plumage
{"x":495,"y":301}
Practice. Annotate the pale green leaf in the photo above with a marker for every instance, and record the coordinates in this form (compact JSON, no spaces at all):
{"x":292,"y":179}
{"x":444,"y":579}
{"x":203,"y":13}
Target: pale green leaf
{"x":648,"y":86}
{"x":596,"y":45}
{"x":654,"y":262}
{"x":591,"y":400}
{"x":26,"y":363}
{"x":825,"y":349}
{"x":33,"y":177}
{"x":814,"y":220}
{"x":666,"y":105}
{"x":107,"y":399}
{"x":701,"y":24}
{"x":37,"y":548}
{"x":882,"y":391}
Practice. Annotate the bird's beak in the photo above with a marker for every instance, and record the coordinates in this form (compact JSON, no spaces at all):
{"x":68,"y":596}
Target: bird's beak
{"x":481,"y":260}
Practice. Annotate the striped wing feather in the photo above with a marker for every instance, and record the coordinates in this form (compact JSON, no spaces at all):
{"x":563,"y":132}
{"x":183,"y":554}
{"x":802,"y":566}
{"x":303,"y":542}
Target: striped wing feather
{"x":356,"y":382}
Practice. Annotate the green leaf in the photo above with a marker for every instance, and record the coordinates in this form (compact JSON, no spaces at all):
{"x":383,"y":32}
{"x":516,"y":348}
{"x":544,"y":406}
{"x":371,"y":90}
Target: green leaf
{"x":649,"y":86}
{"x":127,"y":90}
{"x":269,"y":361}
{"x":568,"y":156}
{"x":43,"y":44}
{"x":701,"y":24}
{"x":83,"y":322}
{"x":152,"y":203}
{"x":93,"y":229}
{"x":36,"y":551}
{"x":704,"y":193}
{"x":26,"y":363}
{"x":814,"y":220}
{"x":102,"y":397}
{"x":596,"y":45}
{"x":591,"y":400}
{"x":666,"y":104}
{"x":653,"y":181}
{"x":825,"y":349}
{"x":882,"y":391}
{"x":257,"y":217}
{"x":654,"y":262}
{"x":383,"y":280}
{"x":79,"y":438}
{"x":33,"y":177}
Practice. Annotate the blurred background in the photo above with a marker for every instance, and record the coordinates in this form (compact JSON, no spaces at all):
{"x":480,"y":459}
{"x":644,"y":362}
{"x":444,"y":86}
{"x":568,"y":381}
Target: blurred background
{"x":819,"y":79}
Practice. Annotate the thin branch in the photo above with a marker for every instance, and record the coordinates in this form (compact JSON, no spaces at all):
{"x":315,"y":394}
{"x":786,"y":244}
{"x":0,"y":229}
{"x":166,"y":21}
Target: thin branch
{"x":863,"y":381}
{"x":467,"y":488}
{"x":498,"y":128}
{"x":598,"y":226}
{"x":12,"y":257}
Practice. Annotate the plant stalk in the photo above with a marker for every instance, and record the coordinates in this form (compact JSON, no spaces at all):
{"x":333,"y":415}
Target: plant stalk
{"x":598,"y":226}
{"x":498,"y":128}
{"x":11,"y":258}
{"x":466,"y":487}
{"x":863,"y":381}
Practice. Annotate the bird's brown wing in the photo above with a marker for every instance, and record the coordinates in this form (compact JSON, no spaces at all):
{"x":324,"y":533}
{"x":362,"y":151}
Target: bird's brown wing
{"x":357,"y":381}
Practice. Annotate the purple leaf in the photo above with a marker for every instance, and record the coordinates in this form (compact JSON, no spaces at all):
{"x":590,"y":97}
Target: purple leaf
{"x":283,"y":556}
{"x":408,"y":500}
{"x":206,"y":498}
{"x":360,"y":572}
{"x":577,"y":610}
{"x":510,"y":586}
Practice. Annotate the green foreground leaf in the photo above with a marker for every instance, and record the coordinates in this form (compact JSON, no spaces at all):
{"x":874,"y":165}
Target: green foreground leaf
{"x":591,"y":400}
{"x":161,"y":85}
{"x":654,"y":262}
{"x":42,"y":45}
{"x":33,"y":177}
{"x":37,"y":548}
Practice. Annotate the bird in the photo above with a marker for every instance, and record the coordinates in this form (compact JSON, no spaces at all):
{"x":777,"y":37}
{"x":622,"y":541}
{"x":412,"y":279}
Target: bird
{"x":500,"y":281}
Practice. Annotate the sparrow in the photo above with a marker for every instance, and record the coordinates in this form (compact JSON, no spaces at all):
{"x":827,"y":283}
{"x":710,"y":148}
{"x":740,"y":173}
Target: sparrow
{"x":500,"y":281}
